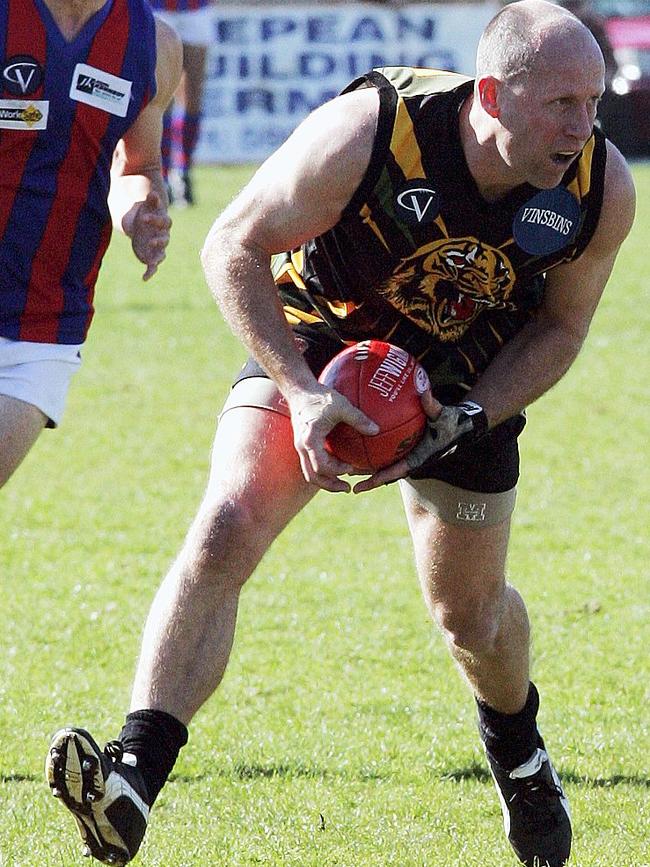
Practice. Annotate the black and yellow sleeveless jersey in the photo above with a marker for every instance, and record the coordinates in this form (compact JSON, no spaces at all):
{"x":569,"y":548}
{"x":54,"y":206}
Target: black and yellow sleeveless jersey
{"x":418,"y":257}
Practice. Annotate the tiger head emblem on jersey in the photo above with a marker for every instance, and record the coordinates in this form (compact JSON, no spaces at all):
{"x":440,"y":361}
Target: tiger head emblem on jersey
{"x":444,"y":286}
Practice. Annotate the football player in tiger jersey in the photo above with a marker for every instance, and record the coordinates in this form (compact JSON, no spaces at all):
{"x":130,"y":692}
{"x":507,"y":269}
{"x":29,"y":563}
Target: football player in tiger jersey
{"x":83,"y":88}
{"x":473,"y":223}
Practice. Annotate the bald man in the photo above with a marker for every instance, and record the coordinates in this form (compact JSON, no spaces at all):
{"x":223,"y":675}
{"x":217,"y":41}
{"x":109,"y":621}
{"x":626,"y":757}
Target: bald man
{"x":473,"y":223}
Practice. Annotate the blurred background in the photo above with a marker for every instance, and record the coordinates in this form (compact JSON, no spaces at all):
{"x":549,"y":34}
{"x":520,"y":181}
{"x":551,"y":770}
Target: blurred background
{"x":268,"y":64}
{"x":622,"y":28}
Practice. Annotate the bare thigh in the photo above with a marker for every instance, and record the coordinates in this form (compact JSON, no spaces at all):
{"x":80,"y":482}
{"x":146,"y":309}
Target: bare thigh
{"x":255,"y":481}
{"x":461,"y":568}
{"x":20,"y":426}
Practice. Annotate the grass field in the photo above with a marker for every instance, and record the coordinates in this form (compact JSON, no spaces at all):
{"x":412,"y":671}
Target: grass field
{"x":342,"y":734}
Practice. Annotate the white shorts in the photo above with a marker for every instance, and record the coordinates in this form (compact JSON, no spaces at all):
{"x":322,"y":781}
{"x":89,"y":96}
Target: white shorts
{"x":194,"y":26}
{"x":38,"y":373}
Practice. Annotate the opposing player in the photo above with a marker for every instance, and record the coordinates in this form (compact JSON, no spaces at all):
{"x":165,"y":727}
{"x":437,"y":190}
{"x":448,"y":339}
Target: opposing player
{"x":182,"y":124}
{"x":84,"y":87}
{"x":473,"y":223}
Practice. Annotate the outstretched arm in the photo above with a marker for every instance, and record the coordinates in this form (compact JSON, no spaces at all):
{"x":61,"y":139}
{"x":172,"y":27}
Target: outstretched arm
{"x":137,"y":200}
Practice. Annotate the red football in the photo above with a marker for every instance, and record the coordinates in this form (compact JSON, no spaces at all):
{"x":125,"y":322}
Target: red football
{"x":385,"y":382}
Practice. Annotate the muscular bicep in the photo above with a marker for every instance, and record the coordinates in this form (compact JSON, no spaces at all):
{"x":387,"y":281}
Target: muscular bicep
{"x":574,"y":290}
{"x":302,"y":189}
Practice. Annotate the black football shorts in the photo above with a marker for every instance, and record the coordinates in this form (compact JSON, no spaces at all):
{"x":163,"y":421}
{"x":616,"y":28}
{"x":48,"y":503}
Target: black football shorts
{"x":489,"y":466}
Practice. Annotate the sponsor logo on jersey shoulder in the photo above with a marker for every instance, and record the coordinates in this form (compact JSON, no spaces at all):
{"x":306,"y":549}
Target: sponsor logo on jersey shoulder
{"x":24,"y":113}
{"x":418,"y":203}
{"x":22,"y":75}
{"x":100,"y":89}
{"x":547,"y":222}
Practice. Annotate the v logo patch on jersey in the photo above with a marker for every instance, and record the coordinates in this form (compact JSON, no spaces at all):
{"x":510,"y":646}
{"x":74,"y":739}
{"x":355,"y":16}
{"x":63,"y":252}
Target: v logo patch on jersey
{"x":100,"y":89}
{"x":22,"y":75}
{"x":418,"y":203}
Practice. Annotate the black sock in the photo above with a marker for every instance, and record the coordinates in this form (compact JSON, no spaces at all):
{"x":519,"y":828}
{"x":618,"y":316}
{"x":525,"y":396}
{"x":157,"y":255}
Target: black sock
{"x":155,"y":738}
{"x":510,"y":739}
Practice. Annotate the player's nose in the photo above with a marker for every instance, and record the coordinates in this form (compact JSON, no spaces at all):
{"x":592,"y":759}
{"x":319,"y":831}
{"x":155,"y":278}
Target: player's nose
{"x":580,"y":124}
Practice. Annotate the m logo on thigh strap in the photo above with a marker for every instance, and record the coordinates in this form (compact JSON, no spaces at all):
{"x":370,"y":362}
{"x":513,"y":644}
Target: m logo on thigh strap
{"x":471,"y":511}
{"x":458,"y":506}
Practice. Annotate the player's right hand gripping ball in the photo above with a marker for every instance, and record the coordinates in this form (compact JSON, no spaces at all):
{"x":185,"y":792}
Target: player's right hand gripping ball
{"x":385,"y":383}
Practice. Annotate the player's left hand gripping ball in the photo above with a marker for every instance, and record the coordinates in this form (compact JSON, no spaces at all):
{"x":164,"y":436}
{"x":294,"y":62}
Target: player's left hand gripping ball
{"x":460,"y":422}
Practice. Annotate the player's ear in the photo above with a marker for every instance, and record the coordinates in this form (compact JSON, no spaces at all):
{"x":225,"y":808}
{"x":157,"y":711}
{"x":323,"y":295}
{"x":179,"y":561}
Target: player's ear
{"x":488,"y":94}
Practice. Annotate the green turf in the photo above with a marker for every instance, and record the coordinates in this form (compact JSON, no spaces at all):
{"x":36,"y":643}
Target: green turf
{"x":342,"y":734}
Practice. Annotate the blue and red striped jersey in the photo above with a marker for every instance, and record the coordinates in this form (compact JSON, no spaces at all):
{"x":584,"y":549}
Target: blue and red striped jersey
{"x":180,"y":5}
{"x":64,"y":105}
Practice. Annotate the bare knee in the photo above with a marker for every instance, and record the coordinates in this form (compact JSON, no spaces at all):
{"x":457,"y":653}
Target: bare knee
{"x":225,"y":544}
{"x":473,"y":623}
{"x":20,"y":427}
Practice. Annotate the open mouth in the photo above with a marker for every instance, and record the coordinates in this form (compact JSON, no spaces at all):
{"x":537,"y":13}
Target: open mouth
{"x":563,"y":158}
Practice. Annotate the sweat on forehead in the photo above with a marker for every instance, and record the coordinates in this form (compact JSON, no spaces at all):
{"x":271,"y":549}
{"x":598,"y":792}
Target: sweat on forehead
{"x":524,"y":33}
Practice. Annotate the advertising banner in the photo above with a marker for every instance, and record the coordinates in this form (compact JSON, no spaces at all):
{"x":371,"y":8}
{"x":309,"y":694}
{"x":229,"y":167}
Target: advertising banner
{"x":269,"y":66}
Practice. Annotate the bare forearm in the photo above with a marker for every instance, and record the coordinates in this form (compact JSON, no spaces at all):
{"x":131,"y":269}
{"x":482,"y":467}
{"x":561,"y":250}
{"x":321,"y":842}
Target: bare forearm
{"x":526,"y":368}
{"x":240,"y":280}
{"x":128,"y":192}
